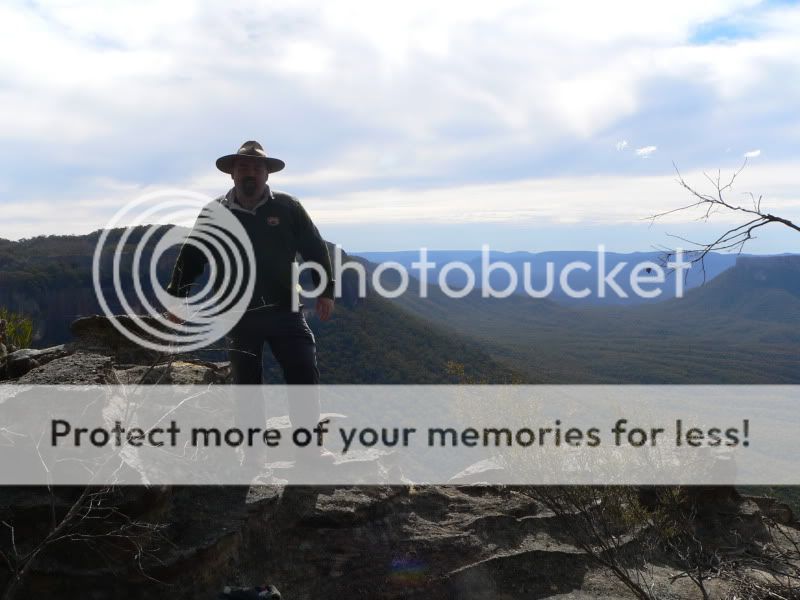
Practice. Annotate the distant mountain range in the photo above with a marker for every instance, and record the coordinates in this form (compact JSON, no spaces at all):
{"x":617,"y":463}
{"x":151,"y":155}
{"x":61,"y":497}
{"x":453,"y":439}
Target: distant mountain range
{"x":741,"y":326}
{"x":579,"y":279}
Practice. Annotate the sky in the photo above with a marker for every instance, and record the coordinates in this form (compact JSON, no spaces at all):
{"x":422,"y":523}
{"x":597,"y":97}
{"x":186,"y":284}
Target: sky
{"x":522,"y":125}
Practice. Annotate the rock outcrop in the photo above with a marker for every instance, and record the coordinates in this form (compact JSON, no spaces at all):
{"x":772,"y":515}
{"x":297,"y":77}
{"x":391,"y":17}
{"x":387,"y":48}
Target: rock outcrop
{"x":457,"y":541}
{"x":99,"y":353}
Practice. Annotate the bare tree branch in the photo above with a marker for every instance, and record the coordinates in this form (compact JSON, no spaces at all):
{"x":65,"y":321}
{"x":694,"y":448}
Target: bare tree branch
{"x":735,"y":238}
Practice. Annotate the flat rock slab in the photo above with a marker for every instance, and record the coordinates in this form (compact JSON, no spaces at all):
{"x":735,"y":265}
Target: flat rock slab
{"x":20,"y":362}
{"x":97,"y":333}
{"x":179,"y":372}
{"x":76,"y":369}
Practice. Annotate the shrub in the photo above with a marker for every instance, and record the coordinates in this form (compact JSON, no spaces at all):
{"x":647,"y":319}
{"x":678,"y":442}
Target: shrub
{"x":19,"y":328}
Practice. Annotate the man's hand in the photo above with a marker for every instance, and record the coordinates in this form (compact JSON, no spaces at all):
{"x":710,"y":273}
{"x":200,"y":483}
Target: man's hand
{"x":172,"y":317}
{"x":324,"y":308}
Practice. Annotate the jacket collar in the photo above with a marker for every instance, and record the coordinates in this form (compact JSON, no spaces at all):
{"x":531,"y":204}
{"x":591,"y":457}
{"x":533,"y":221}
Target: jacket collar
{"x":232,"y":203}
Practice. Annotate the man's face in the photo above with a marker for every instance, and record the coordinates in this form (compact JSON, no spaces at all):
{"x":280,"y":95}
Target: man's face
{"x":249,"y":177}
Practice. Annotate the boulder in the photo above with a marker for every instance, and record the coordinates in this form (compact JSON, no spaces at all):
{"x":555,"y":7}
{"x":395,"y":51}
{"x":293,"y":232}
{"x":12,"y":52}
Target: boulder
{"x":20,"y":362}
{"x":778,"y":511}
{"x":97,"y":334}
{"x":79,"y":368}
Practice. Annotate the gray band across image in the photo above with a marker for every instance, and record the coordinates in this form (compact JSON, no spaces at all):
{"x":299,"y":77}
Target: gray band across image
{"x":401,"y":434}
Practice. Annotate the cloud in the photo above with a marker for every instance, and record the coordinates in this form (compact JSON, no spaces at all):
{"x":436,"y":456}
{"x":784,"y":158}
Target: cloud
{"x":404,"y":74}
{"x":645,"y":151}
{"x":608,"y":200}
{"x":752,"y":154}
{"x":357,"y":96}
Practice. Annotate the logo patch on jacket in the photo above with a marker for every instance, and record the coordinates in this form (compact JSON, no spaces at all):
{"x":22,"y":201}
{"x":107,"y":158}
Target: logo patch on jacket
{"x":273,"y":220}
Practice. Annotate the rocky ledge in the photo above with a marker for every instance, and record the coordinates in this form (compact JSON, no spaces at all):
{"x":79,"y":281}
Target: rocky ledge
{"x":465,"y":541}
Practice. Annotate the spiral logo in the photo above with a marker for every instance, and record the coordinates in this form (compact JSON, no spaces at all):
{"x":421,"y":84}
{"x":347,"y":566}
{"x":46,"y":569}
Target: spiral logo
{"x":217,"y":240}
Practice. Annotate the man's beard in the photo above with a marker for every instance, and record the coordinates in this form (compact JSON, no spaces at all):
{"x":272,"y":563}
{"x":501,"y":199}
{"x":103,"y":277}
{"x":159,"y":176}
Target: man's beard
{"x":249,"y":186}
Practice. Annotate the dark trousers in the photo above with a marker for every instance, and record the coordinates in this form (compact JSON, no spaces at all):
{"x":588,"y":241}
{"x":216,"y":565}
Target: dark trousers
{"x":292,"y":344}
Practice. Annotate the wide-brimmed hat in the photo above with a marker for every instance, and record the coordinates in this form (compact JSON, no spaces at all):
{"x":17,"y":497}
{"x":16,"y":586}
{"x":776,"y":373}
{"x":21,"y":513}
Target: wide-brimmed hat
{"x":250,"y":149}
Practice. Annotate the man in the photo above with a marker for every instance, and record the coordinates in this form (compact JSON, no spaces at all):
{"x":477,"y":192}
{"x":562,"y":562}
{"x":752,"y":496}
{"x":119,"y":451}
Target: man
{"x":279,"y":228}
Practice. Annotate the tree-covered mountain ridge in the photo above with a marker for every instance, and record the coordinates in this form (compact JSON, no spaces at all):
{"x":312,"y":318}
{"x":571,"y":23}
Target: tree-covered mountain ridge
{"x":369,"y":340}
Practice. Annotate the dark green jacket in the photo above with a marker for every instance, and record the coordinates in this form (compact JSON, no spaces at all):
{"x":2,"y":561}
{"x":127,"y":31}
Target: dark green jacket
{"x":279,"y":230}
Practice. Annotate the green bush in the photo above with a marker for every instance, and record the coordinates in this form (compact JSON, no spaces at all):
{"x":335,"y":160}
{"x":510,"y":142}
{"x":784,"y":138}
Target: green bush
{"x":19,"y":328}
